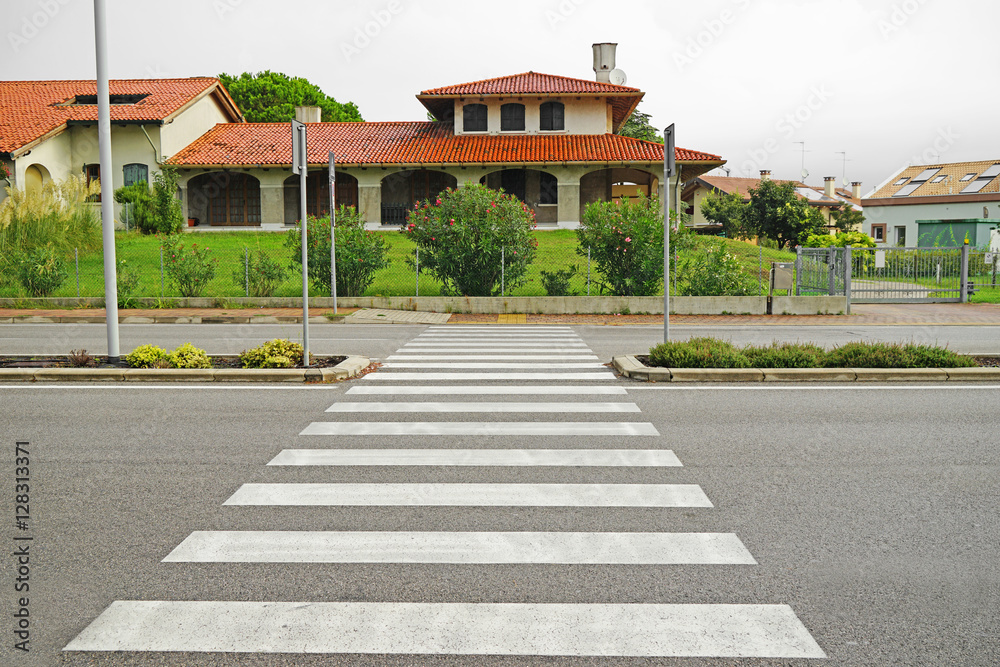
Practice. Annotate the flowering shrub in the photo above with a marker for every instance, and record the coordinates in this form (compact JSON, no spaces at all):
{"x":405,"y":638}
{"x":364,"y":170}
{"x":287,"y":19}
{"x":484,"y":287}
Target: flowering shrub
{"x":260,"y":274}
{"x":360,"y":253}
{"x":41,"y":272}
{"x":626,"y":243}
{"x":472,"y":237}
{"x":189,"y":269}
{"x":715,"y":273}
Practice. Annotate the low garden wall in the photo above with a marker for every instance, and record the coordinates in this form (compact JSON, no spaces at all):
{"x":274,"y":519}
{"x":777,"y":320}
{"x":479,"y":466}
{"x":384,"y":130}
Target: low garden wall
{"x":548,"y":305}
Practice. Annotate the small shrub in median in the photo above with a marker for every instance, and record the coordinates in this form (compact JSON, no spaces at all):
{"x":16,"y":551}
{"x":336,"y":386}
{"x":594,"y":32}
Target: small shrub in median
{"x":278,"y":353}
{"x":189,"y":356}
{"x":786,"y":355}
{"x":146,"y":356}
{"x":189,"y":269}
{"x":698,"y":353}
{"x":41,"y":272}
{"x":887,"y":355}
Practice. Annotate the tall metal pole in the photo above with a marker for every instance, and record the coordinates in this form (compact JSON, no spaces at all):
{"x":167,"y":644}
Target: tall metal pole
{"x":669,"y":163}
{"x":333,"y":230}
{"x":300,"y":164}
{"x":107,"y":181}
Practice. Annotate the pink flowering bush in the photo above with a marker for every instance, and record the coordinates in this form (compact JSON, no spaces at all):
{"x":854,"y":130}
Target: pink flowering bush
{"x":468,"y":237}
{"x":360,"y":253}
{"x":189,"y":269}
{"x":626,"y":243}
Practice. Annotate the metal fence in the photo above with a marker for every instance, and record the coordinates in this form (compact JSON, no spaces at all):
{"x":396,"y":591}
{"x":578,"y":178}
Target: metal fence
{"x":242,"y":257}
{"x":910,"y":275}
{"x":822,"y":271}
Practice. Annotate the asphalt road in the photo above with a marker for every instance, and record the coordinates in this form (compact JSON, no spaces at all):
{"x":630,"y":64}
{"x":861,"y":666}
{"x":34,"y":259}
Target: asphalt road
{"x":378,"y":341}
{"x":870,"y":511}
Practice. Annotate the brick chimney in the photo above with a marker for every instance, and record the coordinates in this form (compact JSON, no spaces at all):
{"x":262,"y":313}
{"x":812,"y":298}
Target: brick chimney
{"x":604,"y":61}
{"x":830,"y":187}
{"x":308,"y":114}
{"x":765,"y":174}
{"x":856,"y":190}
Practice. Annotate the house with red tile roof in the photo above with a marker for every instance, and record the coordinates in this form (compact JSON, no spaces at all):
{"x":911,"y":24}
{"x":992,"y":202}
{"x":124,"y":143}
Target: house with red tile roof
{"x":48,"y":129}
{"x":966,"y":195}
{"x":826,"y":199}
{"x":550,"y":140}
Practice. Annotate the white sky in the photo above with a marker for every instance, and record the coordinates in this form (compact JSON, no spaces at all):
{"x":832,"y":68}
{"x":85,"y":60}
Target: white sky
{"x":888,"y":81}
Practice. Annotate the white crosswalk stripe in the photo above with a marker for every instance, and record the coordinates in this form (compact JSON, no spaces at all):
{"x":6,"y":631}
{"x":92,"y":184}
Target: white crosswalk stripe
{"x":548,"y":362}
{"x":447,"y":547}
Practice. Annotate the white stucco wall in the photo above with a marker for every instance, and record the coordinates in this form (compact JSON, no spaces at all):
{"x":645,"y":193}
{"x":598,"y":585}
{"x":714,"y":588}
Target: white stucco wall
{"x":195,"y":121}
{"x":907,"y":216}
{"x":583,"y":116}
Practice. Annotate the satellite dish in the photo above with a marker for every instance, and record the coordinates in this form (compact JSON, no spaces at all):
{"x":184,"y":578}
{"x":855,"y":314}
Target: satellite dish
{"x":617,"y":77}
{"x":805,"y":175}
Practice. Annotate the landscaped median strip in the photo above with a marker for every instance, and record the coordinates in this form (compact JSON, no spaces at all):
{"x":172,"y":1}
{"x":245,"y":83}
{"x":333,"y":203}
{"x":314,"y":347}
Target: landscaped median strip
{"x":349,"y":368}
{"x":631,"y":367}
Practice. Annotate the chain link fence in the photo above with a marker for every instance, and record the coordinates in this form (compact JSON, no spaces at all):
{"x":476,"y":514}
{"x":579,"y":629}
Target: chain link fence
{"x":241,"y":259}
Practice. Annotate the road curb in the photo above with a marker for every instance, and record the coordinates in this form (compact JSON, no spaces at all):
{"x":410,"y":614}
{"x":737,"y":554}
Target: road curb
{"x":631,"y":367}
{"x":349,"y":368}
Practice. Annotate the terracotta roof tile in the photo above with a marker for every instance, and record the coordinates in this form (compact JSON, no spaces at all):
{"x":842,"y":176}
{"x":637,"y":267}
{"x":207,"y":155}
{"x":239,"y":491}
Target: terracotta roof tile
{"x":31,"y":109}
{"x":952,"y":185}
{"x":412,"y":143}
{"x":532,"y":83}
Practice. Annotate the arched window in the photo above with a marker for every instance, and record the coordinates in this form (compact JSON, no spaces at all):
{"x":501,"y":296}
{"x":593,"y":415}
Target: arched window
{"x":553,"y":117}
{"x":475,"y":117}
{"x":512,"y":118}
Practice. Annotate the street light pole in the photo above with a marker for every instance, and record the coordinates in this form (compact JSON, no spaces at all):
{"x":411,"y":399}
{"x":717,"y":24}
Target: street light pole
{"x":107,"y":181}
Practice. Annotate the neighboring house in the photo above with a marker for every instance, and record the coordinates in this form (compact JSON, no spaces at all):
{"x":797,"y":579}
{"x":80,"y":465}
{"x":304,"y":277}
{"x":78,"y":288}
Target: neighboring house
{"x":549,"y":140}
{"x":48,"y":129}
{"x":826,"y":199}
{"x":936,"y":204}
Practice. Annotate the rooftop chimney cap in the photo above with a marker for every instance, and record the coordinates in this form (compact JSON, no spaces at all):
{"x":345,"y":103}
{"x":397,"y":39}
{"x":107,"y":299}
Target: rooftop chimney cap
{"x":604,"y":60}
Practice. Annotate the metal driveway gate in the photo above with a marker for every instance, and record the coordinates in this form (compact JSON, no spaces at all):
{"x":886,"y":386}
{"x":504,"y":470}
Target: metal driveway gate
{"x":909,"y":275}
{"x":822,"y":271}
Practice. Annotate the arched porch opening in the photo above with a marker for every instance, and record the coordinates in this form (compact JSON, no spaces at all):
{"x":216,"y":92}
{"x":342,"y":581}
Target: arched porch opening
{"x":318,"y":194}
{"x":616,"y":185}
{"x":225,"y":199}
{"x":35,"y":176}
{"x":538,"y":189}
{"x":402,"y":189}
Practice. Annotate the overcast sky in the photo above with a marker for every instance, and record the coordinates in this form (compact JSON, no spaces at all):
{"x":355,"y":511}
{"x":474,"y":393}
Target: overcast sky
{"x":889,"y":82}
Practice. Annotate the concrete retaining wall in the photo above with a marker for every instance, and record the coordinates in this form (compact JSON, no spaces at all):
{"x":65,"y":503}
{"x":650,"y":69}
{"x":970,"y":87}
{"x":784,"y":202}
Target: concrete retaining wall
{"x":548,"y":305}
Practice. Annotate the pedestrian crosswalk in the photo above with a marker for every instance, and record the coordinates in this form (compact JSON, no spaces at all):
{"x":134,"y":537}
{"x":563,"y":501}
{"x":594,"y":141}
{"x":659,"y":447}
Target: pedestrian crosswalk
{"x":480,"y":420}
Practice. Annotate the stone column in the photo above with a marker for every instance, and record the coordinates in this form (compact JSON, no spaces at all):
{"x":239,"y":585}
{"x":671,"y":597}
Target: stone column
{"x":569,"y":203}
{"x":272,"y":197}
{"x":370,"y":197}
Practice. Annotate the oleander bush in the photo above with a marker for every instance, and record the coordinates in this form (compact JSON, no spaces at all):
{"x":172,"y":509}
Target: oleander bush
{"x":146,"y":356}
{"x":278,"y":353}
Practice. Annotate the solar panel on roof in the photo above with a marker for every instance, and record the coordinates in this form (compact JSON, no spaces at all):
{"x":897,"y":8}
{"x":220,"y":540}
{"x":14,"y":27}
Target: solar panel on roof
{"x":926,"y":174}
{"x":976,"y":186}
{"x":908,"y":190}
{"x":992,"y":172}
{"x":902,"y":180}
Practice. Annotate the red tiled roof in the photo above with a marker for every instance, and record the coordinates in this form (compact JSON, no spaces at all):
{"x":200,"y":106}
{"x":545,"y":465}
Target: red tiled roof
{"x":731,"y":184}
{"x":623,"y":100}
{"x":532,"y":83}
{"x":412,"y":143}
{"x":29,"y":110}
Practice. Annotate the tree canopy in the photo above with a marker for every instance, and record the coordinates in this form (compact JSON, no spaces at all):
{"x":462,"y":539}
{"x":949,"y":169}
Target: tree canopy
{"x":271,"y":97}
{"x":639,"y":127}
{"x":774,"y":212}
{"x":847,"y":218}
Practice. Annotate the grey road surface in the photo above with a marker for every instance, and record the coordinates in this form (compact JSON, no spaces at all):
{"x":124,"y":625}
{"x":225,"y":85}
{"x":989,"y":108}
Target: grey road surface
{"x":378,"y":341}
{"x":870,"y":512}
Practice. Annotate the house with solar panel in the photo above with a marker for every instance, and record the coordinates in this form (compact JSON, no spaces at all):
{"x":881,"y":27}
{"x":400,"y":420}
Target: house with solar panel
{"x":550,"y":140}
{"x":941,"y":205}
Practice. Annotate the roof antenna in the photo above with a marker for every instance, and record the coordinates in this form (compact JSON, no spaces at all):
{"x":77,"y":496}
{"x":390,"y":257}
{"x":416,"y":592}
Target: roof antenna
{"x":805,"y":174}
